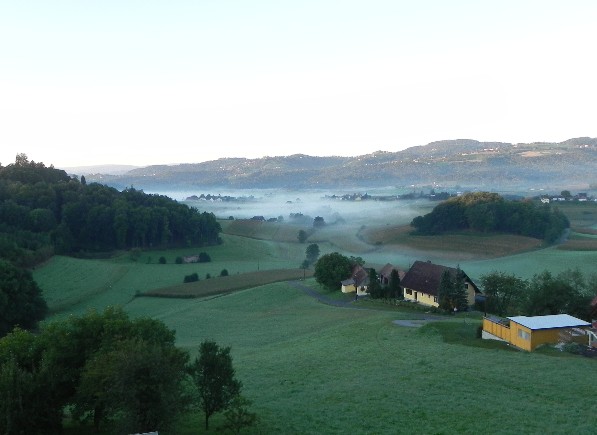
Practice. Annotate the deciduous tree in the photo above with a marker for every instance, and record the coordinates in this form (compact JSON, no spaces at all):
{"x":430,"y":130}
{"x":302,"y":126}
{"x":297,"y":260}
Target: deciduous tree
{"x":312,"y":253}
{"x":331,"y":269}
{"x":302,"y":236}
{"x":214,"y":377}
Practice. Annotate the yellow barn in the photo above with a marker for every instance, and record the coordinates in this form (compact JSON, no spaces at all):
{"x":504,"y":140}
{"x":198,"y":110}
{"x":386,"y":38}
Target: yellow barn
{"x":529,"y":332}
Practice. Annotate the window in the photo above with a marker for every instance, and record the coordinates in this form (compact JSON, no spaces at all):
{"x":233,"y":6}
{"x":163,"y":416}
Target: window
{"x":434,"y":298}
{"x":523,"y":334}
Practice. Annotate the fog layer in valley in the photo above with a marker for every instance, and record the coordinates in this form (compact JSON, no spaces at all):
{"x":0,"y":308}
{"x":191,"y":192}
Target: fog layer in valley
{"x":270,"y":203}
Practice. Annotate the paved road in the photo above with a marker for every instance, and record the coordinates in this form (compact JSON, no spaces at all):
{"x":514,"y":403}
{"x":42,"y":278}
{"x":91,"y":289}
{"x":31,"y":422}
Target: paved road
{"x":321,"y":298}
{"x":418,"y":319}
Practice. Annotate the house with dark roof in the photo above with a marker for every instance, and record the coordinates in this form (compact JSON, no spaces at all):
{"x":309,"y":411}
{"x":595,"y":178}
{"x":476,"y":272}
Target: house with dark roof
{"x":421,"y":283}
{"x":358,"y":281}
{"x":529,"y":332}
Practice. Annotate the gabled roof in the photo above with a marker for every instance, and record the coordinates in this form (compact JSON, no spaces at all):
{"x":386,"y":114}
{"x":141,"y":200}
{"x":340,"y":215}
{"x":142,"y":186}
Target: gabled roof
{"x":358,"y":276}
{"x":425,"y":277}
{"x":387,"y":270}
{"x":549,"y":322}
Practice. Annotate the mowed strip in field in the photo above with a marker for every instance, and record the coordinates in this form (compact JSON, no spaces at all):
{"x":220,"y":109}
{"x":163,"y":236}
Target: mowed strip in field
{"x":226,"y":284}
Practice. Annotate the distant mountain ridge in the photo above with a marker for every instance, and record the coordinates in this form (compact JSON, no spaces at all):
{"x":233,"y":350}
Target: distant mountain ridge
{"x":464,"y":162}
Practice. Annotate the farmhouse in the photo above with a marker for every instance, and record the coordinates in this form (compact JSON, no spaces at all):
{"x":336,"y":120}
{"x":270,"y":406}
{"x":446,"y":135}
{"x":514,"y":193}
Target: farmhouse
{"x":421,"y":283}
{"x":529,"y":332}
{"x":358,"y":281}
{"x":190,"y":259}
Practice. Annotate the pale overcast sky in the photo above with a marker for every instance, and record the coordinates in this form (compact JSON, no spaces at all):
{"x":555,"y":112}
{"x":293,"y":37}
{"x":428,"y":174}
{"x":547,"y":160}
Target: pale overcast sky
{"x":159,"y":82}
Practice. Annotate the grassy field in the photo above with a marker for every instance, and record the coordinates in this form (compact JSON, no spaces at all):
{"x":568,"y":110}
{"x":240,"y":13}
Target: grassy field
{"x":313,"y":368}
{"x":316,"y":368}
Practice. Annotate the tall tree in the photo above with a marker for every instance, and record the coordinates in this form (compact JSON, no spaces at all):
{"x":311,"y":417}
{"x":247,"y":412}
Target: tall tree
{"x":394,"y":290}
{"x":374,"y":288}
{"x":302,"y":236}
{"x":21,"y":301}
{"x":312,"y":253}
{"x":213,"y":375}
{"x":459,"y":295}
{"x":446,"y":292}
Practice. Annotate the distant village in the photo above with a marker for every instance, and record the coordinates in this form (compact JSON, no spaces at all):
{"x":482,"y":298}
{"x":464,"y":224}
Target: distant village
{"x":567,"y":196}
{"x":219,"y":198}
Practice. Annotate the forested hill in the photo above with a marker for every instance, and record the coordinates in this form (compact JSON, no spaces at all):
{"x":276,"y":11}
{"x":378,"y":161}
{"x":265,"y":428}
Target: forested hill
{"x":45,"y":211}
{"x":488,"y":213}
{"x":464,"y":162}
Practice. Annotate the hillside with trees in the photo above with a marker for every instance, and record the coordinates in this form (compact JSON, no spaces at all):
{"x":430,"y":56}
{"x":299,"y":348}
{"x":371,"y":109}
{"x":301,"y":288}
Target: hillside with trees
{"x":490,"y":213}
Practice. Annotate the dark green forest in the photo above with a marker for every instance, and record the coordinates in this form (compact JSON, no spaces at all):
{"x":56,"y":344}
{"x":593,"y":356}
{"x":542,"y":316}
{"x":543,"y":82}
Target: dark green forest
{"x":44,"y":211}
{"x":490,"y":213}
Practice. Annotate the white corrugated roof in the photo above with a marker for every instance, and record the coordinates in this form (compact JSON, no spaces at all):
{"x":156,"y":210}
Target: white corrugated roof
{"x":546,"y":322}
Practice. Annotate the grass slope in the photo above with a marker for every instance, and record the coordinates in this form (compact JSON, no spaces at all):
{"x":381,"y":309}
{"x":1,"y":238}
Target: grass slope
{"x":313,"y":368}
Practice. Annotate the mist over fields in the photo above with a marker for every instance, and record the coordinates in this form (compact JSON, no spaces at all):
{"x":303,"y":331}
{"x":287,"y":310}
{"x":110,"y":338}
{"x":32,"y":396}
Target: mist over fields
{"x":273,"y":203}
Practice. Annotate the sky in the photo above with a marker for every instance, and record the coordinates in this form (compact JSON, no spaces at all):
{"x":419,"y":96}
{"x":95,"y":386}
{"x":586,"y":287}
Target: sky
{"x":144,"y":82}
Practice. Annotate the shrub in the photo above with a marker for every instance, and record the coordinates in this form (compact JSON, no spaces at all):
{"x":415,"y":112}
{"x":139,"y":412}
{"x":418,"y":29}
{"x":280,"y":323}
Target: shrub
{"x":204,"y":257}
{"x":178,"y":260}
{"x":162,"y":260}
{"x":224,"y":272}
{"x":191,"y":278}
{"x":207,"y":276}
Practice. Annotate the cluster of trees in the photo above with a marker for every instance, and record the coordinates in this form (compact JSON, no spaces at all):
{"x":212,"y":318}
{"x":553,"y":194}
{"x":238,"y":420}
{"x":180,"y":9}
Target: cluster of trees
{"x":121,"y":374}
{"x":194,"y":277}
{"x":452,"y":294}
{"x":391,"y":290}
{"x":489,"y":212}
{"x":568,"y":292}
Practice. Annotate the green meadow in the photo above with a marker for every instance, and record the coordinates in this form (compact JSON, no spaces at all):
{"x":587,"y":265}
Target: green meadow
{"x":312,"y":367}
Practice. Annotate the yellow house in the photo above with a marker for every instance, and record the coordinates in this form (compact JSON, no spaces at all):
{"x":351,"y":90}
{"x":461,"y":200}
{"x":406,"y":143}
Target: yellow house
{"x":529,"y":332}
{"x":358,"y":281}
{"x":421,"y":283}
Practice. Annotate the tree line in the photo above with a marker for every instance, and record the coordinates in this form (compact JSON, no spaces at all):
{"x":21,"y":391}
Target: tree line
{"x":114,"y":373}
{"x":568,"y":292}
{"x":489,"y":212}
